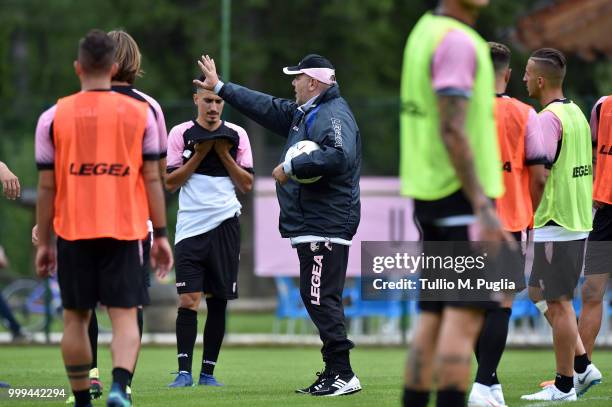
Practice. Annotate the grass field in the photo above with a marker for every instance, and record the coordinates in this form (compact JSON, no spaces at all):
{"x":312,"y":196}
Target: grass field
{"x":237,"y":323}
{"x":267,"y":376}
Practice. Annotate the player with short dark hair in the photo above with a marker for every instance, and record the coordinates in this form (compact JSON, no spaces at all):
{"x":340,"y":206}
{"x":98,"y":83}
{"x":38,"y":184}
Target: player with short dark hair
{"x":563,"y":219}
{"x":596,"y":267}
{"x":96,"y":53}
{"x":128,"y":59}
{"x":98,"y":183}
{"x":450,"y":166}
{"x":500,"y":56}
{"x":523,"y":162}
{"x":551,"y":64}
{"x":208,"y":159}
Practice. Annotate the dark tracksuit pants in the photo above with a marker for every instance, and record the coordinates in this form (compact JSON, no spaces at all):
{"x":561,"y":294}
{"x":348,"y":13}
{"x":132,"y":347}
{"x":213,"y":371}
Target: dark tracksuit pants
{"x":322,"y":274}
{"x":6,"y":313}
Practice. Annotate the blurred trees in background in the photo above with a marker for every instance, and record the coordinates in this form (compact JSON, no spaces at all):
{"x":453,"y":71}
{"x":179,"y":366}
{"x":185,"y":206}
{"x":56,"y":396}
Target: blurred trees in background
{"x":364,"y":39}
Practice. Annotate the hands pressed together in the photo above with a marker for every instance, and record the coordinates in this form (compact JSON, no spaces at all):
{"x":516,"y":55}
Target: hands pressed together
{"x":221,"y":146}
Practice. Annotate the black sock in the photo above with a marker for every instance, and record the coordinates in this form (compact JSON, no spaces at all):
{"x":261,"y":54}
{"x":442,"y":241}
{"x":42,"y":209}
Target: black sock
{"x":491,"y":344}
{"x":564,"y":383}
{"x":415,"y":398}
{"x":450,"y":398}
{"x":93,"y":338}
{"x":81,"y":397}
{"x":139,"y":316}
{"x":339,"y":362}
{"x":581,"y":362}
{"x":121,"y":376}
{"x":214,"y":331}
{"x":186,"y":332}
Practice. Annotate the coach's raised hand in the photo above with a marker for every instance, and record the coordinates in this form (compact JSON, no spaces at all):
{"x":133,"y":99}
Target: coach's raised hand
{"x":209,"y":70}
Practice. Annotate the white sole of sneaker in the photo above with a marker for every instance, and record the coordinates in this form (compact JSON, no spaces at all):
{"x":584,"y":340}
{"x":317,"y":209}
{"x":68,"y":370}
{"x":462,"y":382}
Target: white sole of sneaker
{"x":353,"y":386}
{"x":482,"y":403}
{"x":566,"y":398}
{"x":485,"y":403}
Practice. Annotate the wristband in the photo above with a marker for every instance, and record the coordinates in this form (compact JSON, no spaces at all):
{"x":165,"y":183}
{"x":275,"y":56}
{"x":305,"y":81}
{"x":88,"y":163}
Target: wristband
{"x":288,"y":167}
{"x":160,"y":232}
{"x":218,"y":87}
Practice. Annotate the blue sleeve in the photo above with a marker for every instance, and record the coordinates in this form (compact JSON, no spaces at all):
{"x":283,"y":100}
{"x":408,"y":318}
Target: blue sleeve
{"x":336,"y":134}
{"x":273,"y":113}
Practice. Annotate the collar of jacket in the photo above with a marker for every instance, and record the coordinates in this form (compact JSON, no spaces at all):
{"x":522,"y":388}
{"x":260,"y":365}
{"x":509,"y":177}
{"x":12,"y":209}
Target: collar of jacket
{"x":331,"y":93}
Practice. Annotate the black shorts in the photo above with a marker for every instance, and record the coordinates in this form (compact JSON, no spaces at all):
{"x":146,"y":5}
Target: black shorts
{"x":106,"y":270}
{"x":557,"y":273}
{"x":599,"y":245}
{"x":208,"y":262}
{"x":431,"y":232}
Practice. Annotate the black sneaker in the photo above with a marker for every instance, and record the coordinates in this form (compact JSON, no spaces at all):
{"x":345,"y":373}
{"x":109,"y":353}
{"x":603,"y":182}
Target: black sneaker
{"x":337,"y":384}
{"x":321,"y":376}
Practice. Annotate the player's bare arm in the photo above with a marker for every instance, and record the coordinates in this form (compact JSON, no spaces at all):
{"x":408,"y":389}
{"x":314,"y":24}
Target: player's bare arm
{"x":45,"y":207}
{"x":162,"y":170}
{"x":242,"y":179}
{"x":178,"y":177}
{"x":452,"y":123}
{"x":161,"y":253}
{"x":453,"y":110}
{"x":538,"y":174}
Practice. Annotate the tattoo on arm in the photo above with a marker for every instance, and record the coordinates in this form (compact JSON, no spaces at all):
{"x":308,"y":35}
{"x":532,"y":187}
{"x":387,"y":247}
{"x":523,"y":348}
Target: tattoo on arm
{"x":453,"y":112}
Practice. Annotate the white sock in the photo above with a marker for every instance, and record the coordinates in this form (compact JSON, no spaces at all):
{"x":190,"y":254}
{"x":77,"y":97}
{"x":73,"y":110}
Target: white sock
{"x":481,"y":388}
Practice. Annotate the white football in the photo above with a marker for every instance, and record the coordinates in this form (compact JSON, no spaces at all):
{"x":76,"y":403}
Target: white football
{"x":302,"y":147}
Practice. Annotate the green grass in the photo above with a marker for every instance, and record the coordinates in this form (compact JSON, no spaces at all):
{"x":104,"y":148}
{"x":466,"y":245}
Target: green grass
{"x":236,"y":323}
{"x":267,"y":376}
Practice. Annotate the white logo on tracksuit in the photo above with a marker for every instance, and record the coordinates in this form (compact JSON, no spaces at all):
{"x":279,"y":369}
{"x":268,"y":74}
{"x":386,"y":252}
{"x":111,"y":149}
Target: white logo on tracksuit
{"x":315,"y":280}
